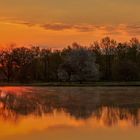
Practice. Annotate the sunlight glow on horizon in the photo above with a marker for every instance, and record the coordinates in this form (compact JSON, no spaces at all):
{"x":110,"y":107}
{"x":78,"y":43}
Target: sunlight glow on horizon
{"x":20,"y":34}
{"x":57,"y":24}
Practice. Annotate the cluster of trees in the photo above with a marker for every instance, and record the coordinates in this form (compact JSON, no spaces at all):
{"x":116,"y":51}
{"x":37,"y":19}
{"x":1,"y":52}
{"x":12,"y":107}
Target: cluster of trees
{"x":106,"y":60}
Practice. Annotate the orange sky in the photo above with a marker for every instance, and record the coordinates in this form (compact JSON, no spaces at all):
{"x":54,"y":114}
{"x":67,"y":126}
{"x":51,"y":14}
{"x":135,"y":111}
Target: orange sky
{"x":58,"y":23}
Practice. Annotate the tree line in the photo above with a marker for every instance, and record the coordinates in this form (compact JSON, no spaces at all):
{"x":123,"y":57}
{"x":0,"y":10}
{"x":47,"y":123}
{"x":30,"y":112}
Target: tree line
{"x":106,"y":60}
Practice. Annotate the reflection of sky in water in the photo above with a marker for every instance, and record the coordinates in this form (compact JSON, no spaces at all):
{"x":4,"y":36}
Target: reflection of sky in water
{"x":31,"y":111}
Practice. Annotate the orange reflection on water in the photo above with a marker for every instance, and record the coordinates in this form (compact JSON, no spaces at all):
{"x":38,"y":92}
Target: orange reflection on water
{"x":61,"y":122}
{"x":44,"y":113}
{"x":14,"y":90}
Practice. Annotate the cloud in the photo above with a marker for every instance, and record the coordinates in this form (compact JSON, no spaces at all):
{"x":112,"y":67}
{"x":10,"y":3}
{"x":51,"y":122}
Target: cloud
{"x":29,"y":24}
{"x":57,"y":26}
{"x":133,"y":30}
{"x":12,"y":20}
{"x":121,"y":29}
{"x":108,"y":29}
{"x":62,"y":26}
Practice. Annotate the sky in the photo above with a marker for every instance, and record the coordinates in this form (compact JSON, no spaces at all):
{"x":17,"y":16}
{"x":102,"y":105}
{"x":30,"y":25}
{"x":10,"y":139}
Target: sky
{"x":58,"y":23}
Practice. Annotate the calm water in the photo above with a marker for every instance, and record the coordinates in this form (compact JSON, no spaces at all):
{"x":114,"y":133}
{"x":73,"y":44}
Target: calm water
{"x":66,"y":113}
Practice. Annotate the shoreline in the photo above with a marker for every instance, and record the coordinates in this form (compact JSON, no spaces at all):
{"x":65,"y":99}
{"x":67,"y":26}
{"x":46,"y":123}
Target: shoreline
{"x":59,"y":84}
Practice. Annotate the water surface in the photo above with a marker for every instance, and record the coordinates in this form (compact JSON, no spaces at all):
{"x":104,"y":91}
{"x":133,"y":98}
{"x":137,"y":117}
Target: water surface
{"x":69,"y":113}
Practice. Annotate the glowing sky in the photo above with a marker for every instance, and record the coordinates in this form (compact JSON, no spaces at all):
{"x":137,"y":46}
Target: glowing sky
{"x":57,"y":23}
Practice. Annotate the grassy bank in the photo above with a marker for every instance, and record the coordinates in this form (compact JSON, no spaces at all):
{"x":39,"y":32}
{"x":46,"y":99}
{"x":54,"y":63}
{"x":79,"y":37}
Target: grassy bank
{"x":93,"y":84}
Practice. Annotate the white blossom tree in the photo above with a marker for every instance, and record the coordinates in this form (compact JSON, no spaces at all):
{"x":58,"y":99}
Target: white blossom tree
{"x":78,"y":64}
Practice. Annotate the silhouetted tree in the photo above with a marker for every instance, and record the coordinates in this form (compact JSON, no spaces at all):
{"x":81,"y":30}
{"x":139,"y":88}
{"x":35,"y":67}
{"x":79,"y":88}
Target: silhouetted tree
{"x":7,"y":63}
{"x":105,"y":60}
{"x":23,"y":58}
{"x":108,"y":49}
{"x":79,"y":64}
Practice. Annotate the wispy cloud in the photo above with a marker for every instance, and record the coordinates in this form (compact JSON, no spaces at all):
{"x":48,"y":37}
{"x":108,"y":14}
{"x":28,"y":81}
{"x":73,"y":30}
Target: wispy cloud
{"x":62,"y":26}
{"x":12,"y":20}
{"x":29,"y":24}
{"x":120,"y":29}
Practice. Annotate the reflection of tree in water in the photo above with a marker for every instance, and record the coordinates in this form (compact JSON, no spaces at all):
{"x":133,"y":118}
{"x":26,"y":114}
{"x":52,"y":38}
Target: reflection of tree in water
{"x":85,"y":106}
{"x":112,"y":115}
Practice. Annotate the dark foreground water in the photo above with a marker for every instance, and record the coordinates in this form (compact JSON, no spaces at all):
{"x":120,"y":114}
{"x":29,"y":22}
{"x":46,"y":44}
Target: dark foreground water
{"x":66,"y":113}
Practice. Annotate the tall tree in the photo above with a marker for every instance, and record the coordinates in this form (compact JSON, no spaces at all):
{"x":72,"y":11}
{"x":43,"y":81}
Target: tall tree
{"x":79,"y":64}
{"x":108,"y":49}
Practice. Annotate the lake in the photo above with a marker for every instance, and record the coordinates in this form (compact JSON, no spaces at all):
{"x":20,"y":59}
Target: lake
{"x":69,"y":113}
